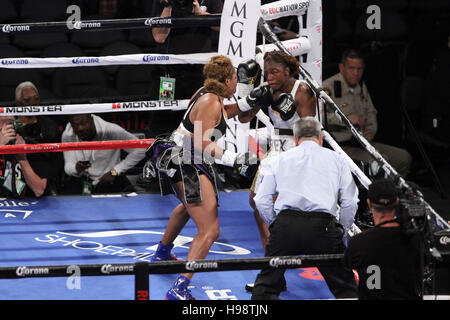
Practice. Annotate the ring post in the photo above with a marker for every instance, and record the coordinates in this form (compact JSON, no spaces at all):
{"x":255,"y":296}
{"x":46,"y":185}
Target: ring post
{"x":141,"y":281}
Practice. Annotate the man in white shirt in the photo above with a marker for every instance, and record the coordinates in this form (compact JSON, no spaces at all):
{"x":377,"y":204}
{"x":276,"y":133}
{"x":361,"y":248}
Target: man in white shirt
{"x":97,"y":171}
{"x":310,"y":182}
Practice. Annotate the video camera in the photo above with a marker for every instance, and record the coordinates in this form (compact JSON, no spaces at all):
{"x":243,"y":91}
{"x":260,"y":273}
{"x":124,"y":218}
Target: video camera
{"x":181,"y":8}
{"x":17,"y":126}
{"x":412,"y":214}
{"x":31,"y":133}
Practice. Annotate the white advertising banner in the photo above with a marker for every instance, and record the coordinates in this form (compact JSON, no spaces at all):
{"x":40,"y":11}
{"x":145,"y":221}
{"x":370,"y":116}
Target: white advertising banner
{"x":284,"y":8}
{"x":296,"y":47}
{"x":311,"y":28}
{"x":237,"y":41}
{"x":238,"y":28}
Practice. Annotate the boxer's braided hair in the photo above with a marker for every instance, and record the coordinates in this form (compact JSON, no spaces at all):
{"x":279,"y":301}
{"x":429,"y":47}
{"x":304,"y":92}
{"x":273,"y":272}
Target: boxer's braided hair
{"x":285,"y":59}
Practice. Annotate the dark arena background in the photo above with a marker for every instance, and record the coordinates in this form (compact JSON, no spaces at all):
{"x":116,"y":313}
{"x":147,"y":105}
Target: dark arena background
{"x":406,"y":46}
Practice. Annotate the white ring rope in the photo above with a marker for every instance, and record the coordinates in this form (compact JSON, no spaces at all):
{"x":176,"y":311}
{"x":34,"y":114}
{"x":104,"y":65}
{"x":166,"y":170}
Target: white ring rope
{"x":151,"y":105}
{"x":126,"y":59}
{"x":297,"y":47}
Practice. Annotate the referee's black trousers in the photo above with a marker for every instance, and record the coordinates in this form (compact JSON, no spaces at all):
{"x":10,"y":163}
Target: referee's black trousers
{"x":294,"y":233}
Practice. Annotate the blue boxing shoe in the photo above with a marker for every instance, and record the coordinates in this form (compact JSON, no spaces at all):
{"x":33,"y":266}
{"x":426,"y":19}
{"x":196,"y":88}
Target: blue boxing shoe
{"x":180,"y":290}
{"x":163,"y":253}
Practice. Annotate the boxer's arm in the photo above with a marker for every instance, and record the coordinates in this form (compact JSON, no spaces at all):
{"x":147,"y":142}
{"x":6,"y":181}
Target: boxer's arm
{"x":232,"y":110}
{"x":246,"y":108}
{"x":207,"y":116}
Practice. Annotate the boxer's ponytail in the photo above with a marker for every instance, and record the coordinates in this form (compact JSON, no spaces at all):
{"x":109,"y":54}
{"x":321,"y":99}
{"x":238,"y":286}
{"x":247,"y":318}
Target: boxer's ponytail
{"x":216,"y":71}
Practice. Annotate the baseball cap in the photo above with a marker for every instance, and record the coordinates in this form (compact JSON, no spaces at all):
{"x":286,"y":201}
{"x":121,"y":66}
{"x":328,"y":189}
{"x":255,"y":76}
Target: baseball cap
{"x":382,"y":192}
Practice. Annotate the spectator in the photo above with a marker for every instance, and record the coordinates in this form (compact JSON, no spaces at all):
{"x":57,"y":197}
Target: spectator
{"x":36,"y":174}
{"x":97,"y":171}
{"x":8,"y":163}
{"x":350,"y":94}
{"x":310,"y":181}
{"x":35,"y":128}
{"x":198,"y":38}
{"x":186,"y":40}
{"x":388,"y":262}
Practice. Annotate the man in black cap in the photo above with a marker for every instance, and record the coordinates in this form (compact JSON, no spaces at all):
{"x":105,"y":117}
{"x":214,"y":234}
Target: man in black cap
{"x":388,"y":262}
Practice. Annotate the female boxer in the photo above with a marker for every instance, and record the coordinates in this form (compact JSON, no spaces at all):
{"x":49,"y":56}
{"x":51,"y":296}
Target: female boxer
{"x":185,"y":164}
{"x":292,"y":99}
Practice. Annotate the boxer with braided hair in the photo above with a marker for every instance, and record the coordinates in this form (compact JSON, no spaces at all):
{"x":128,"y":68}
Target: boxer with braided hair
{"x":292,"y":99}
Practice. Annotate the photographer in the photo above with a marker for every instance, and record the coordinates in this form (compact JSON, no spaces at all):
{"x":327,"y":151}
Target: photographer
{"x":185,"y":40}
{"x":35,"y":172}
{"x":388,"y":261}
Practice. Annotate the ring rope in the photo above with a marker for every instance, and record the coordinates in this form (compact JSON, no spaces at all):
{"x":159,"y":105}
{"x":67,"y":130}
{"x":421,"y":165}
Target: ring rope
{"x":150,"y":105}
{"x":126,"y":59}
{"x":106,"y":107}
{"x":71,"y":146}
{"x":210,"y":20}
{"x":167,"y":267}
{"x":296,"y":47}
{"x":142,"y":270}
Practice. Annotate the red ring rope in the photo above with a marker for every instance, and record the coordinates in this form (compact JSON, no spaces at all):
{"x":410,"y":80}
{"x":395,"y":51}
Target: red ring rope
{"x":70,"y":146}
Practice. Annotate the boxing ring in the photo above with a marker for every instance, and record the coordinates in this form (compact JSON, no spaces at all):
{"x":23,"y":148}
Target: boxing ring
{"x":75,"y":245}
{"x":111,"y":239}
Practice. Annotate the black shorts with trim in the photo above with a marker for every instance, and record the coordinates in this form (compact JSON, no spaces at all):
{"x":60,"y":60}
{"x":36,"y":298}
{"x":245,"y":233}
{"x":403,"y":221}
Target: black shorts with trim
{"x":169,"y":163}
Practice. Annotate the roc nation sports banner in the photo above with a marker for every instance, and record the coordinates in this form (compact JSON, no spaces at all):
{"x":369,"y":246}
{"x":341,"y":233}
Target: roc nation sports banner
{"x":308,"y":45}
{"x":237,"y":41}
{"x":309,"y":13}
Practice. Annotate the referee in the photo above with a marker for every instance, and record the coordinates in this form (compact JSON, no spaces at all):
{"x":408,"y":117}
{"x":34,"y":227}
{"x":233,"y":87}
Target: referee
{"x":310,"y":182}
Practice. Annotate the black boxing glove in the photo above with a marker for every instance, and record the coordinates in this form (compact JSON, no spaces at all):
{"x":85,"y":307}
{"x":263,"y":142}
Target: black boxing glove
{"x":249,"y":72}
{"x":285,"y":106}
{"x":259,"y":97}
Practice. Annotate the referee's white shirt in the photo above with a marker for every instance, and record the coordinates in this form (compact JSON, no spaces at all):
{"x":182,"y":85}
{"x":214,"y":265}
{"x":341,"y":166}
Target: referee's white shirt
{"x":308,"y":178}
